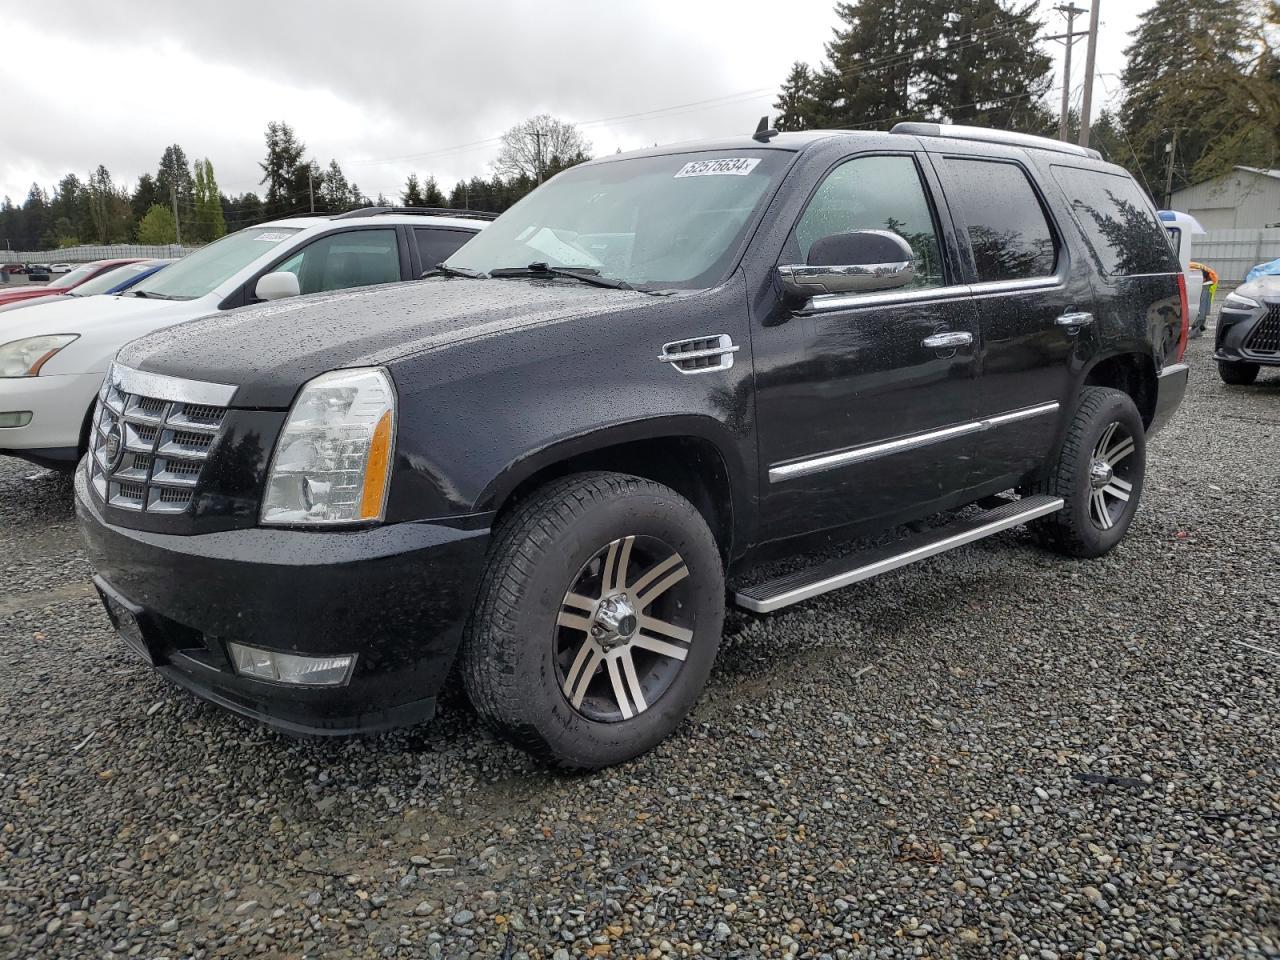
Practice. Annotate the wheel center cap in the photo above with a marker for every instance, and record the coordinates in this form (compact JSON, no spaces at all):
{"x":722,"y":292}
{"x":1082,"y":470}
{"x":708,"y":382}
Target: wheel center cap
{"x":615,"y":622}
{"x":1101,"y":473}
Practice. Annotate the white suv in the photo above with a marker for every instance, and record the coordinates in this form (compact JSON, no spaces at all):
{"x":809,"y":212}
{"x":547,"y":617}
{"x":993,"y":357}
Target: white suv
{"x":53,"y":357}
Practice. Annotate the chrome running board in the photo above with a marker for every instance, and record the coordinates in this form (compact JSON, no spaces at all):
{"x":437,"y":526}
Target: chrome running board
{"x":793,"y":587}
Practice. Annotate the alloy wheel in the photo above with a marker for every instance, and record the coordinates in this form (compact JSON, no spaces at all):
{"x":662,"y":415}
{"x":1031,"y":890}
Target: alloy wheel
{"x":1111,"y":475}
{"x":624,"y":629}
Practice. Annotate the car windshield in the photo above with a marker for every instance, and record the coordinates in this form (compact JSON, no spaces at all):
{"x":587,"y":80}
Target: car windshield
{"x":109,"y":278}
{"x":202,"y":271}
{"x":69,"y":280}
{"x":655,"y":222}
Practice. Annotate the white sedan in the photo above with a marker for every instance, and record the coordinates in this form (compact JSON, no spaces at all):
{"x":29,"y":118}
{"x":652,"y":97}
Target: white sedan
{"x":53,"y":357}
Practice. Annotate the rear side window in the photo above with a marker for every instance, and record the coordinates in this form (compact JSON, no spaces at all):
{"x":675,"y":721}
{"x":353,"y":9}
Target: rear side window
{"x":1008,"y":232}
{"x":437,"y":246}
{"x":1126,"y":236}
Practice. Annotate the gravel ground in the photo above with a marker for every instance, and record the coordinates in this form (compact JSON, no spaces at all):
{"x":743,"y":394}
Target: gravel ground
{"x":995,"y":753}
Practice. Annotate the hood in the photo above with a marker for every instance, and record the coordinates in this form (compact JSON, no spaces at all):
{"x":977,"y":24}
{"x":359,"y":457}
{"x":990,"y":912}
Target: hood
{"x":9,"y":305}
{"x":1266,"y":286}
{"x":269,"y":351}
{"x":28,"y":293}
{"x":102,"y":321}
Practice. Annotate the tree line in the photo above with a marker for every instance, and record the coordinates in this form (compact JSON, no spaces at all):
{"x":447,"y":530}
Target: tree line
{"x":1201,"y":84}
{"x":1207,"y":70}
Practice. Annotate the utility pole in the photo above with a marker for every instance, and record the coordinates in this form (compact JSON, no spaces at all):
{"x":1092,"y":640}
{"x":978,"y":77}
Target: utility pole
{"x":1090,"y":62}
{"x":1170,"y":148}
{"x":177,"y":224}
{"x":1069,"y":40}
{"x":537,"y":139}
{"x":311,"y":191}
{"x":466,"y":196}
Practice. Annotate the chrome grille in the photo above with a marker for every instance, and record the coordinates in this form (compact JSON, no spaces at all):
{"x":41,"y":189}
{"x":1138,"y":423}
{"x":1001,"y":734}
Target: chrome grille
{"x":165,"y":445}
{"x":1265,"y":337}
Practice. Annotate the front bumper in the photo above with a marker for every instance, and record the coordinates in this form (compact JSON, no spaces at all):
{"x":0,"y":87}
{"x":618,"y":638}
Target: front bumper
{"x":1171,"y":387}
{"x":58,"y":404}
{"x":1236,"y":327}
{"x":395,"y":596}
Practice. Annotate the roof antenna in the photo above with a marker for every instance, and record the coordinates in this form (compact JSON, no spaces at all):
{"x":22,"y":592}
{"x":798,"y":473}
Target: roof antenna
{"x":764,"y":133}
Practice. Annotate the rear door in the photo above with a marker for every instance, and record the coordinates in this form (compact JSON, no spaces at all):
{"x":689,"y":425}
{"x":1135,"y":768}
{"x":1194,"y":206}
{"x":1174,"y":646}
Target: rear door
{"x":434,"y":245}
{"x":861,"y":419}
{"x":1034,"y":306}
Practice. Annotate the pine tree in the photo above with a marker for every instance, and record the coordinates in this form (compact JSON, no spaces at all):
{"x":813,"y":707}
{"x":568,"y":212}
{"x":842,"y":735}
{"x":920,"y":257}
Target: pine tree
{"x":986,"y":68}
{"x":144,"y":196}
{"x":431,"y":193}
{"x":173,"y":178}
{"x":281,"y":169}
{"x":1171,"y":81}
{"x":411,"y":196}
{"x":795,"y":103}
{"x":335,"y":194}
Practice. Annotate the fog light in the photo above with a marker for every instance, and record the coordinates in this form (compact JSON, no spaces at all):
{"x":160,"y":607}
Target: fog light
{"x":19,"y":418}
{"x":290,"y":667}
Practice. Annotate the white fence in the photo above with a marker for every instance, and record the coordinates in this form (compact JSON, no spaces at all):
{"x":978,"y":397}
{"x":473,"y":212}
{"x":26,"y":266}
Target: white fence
{"x":86,"y":252}
{"x":1233,"y":253}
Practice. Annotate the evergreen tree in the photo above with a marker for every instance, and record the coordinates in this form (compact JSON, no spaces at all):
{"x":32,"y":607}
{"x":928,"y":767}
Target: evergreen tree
{"x":173,"y":178}
{"x":335,"y":194}
{"x":35,"y":217}
{"x":795,"y":103}
{"x":985,"y":68}
{"x":144,"y":196}
{"x":157,"y":226}
{"x":282,"y":170}
{"x":108,"y":208}
{"x":432,"y":196}
{"x":411,"y":196}
{"x":1172,"y":80}
{"x":69,"y":212}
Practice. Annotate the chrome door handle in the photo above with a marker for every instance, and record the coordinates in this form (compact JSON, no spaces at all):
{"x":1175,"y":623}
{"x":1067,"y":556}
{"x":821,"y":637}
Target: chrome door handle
{"x":948,"y":340}
{"x":1074,"y":320}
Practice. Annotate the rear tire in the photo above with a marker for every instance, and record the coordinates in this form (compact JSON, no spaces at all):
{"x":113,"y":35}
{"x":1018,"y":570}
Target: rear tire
{"x":597,"y":621}
{"x":1098,"y":474}
{"x":1237,"y":373}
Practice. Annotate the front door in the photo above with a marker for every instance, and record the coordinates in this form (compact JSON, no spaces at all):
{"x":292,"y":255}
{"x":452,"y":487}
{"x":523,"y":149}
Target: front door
{"x":861,"y":408}
{"x":1034,"y":307}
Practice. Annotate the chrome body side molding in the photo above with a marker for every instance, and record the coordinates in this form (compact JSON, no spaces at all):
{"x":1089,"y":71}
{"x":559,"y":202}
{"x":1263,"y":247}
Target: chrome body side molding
{"x":829,"y":461}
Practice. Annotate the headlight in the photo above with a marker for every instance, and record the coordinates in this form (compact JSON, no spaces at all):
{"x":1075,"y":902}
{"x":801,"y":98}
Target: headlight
{"x":24,"y":358}
{"x":333,"y":461}
{"x":1240,"y":303}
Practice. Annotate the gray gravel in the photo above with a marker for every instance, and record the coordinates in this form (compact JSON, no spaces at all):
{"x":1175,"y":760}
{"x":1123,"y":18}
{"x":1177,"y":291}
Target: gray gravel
{"x":996,"y":753}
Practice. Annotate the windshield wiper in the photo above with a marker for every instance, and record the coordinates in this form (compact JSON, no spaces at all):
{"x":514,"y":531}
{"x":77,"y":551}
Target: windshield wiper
{"x":441,"y":269}
{"x":153,"y":296}
{"x":585,"y":274}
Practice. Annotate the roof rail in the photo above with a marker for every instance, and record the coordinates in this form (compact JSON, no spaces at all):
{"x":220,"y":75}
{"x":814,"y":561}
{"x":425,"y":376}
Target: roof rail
{"x":416,"y":211}
{"x":987,"y":135}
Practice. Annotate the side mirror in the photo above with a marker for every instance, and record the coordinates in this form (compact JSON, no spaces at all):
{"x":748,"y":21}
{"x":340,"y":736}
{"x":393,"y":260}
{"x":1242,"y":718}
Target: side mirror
{"x":277,"y":286}
{"x":855,"y":262}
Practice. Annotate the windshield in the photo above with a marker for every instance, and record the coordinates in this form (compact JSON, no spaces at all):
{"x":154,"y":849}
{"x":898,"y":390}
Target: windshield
{"x":109,"y":278}
{"x":673,"y":221}
{"x":69,"y":280}
{"x":200,"y":272}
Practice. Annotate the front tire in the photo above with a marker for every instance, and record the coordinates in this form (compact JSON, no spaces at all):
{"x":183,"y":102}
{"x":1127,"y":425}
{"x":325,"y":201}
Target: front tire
{"x":1237,"y":373}
{"x":1098,"y":474}
{"x":597,"y":621}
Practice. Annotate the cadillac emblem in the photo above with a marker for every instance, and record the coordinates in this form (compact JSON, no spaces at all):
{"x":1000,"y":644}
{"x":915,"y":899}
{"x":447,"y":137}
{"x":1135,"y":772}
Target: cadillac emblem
{"x":113,"y":451}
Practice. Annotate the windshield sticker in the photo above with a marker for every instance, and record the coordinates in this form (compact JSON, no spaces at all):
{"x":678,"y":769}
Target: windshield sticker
{"x":730,"y":167}
{"x":273,"y":237}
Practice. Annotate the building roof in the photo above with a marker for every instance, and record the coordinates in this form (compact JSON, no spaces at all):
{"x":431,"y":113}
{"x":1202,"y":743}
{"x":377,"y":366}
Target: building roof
{"x":1273,"y":172}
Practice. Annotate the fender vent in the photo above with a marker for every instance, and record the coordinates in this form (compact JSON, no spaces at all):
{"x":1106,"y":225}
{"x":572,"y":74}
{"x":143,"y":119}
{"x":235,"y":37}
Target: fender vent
{"x":700,"y":354}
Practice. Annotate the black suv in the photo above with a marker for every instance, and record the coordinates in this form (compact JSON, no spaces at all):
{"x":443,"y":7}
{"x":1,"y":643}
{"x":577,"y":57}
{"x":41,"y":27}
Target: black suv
{"x":655,"y":372}
{"x":1248,"y":334}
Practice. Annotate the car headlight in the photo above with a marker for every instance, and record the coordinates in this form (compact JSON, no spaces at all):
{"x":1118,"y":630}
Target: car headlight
{"x":332,"y":463}
{"x":1234,"y":300}
{"x":24,"y":358}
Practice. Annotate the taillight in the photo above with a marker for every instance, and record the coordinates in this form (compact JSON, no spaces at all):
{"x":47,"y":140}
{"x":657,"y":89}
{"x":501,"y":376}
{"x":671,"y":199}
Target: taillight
{"x":1186,"y":318}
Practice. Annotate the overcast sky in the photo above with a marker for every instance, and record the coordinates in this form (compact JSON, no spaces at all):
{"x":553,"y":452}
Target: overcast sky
{"x":397,"y":86}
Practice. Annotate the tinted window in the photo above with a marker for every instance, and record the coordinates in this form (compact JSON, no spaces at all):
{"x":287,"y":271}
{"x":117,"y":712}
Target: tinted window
{"x":1008,"y":232}
{"x":437,"y":246}
{"x":356,"y":259}
{"x":875,"y":193}
{"x":1123,"y":229}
